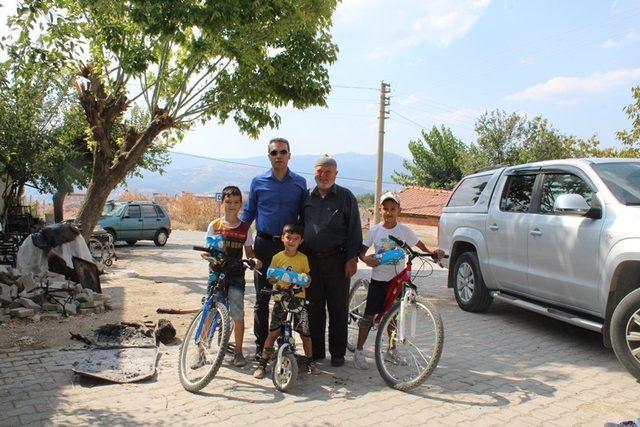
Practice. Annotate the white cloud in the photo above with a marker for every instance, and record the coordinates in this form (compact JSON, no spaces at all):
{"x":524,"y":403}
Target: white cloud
{"x":571,"y":90}
{"x":395,"y":28}
{"x":461,"y":116}
{"x":630,"y":37}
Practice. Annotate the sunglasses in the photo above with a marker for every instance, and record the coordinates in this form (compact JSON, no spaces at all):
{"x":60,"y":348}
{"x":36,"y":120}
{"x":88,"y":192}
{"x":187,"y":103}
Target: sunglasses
{"x":274,"y":153}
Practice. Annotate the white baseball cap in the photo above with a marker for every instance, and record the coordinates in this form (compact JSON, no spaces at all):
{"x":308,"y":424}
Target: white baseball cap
{"x":389,"y":195}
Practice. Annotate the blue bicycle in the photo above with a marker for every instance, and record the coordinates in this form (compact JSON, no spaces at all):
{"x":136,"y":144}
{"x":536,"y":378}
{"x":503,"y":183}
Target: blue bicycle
{"x":207,"y":337}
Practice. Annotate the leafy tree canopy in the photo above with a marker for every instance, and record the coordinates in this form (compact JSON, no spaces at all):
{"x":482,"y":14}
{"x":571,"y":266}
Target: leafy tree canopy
{"x":436,"y":160}
{"x":180,"y":62}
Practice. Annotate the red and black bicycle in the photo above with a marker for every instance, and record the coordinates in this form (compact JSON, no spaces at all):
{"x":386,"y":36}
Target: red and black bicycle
{"x":409,"y":326}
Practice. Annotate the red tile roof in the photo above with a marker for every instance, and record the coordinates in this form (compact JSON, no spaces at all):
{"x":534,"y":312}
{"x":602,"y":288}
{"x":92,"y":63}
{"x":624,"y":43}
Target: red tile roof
{"x":422,"y":201}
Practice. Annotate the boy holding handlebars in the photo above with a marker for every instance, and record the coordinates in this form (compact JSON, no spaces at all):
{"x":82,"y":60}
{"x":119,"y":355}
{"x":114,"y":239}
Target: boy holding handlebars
{"x":382,"y":274}
{"x":235,"y":236}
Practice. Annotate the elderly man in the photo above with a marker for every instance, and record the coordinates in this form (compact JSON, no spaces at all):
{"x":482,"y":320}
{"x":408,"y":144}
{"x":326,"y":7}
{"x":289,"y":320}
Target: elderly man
{"x":275,"y":198}
{"x":332,"y":239}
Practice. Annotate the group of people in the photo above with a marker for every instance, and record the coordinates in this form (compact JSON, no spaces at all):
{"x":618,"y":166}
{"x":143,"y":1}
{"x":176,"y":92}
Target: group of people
{"x":315,"y":231}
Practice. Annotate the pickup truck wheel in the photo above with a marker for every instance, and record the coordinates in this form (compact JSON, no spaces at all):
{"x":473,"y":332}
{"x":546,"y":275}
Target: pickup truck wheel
{"x":625,"y":332}
{"x":468,"y":286}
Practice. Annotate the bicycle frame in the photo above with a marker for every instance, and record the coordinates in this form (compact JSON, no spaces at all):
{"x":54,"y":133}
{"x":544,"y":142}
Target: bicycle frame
{"x":395,"y":288}
{"x":214,"y":296}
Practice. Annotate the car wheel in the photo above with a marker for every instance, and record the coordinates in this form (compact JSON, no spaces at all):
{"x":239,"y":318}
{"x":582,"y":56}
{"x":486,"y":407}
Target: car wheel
{"x":468,"y":285}
{"x":131,"y":242}
{"x":625,"y":332}
{"x":161,"y":238}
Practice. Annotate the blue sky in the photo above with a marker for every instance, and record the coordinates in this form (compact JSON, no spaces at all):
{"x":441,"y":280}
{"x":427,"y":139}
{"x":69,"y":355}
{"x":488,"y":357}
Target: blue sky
{"x":572,"y":62}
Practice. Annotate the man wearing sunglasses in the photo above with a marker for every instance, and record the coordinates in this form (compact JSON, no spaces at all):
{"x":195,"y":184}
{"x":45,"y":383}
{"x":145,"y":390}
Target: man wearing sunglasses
{"x":275,"y":198}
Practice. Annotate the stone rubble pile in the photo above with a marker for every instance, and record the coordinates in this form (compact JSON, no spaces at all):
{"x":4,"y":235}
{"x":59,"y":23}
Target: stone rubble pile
{"x":49,"y":297}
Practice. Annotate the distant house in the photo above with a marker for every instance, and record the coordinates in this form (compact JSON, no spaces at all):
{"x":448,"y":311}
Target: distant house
{"x":421,"y":205}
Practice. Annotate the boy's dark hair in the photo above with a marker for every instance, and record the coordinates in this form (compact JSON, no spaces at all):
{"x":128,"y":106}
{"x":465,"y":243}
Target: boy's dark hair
{"x":231,"y":190}
{"x":292,"y":229}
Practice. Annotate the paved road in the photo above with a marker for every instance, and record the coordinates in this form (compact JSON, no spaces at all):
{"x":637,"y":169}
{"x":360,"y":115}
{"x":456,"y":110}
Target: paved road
{"x":508,"y":366}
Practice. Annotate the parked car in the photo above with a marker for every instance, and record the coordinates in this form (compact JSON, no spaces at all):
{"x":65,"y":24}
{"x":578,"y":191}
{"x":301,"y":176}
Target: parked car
{"x":560,"y":238}
{"x":133,"y":221}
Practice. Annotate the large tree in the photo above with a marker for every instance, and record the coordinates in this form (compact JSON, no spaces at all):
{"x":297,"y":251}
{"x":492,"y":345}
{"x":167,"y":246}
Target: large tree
{"x":182,"y":62}
{"x":436,"y":160}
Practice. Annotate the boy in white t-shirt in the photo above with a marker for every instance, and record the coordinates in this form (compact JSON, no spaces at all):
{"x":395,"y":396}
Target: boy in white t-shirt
{"x":381,"y":275}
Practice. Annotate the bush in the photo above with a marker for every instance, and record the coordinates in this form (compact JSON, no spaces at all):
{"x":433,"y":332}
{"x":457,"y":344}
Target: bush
{"x":191,"y":212}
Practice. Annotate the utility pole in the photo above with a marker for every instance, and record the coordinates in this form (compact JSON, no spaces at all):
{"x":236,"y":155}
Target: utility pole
{"x":385,"y":88}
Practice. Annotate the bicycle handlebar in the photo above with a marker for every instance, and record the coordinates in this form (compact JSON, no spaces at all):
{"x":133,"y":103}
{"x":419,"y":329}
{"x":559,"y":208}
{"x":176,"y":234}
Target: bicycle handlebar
{"x":413,"y":254}
{"x":248,"y":263}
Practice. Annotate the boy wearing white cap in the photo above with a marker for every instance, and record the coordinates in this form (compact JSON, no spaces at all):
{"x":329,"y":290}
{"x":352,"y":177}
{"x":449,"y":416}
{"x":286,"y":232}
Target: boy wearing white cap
{"x":382,"y":274}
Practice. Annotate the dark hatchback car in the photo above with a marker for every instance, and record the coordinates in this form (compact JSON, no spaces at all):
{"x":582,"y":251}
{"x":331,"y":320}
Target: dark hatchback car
{"x":133,"y":221}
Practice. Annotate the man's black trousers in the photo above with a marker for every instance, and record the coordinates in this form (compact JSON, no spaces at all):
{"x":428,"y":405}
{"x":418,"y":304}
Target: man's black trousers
{"x":329,"y":288}
{"x":265,"y":249}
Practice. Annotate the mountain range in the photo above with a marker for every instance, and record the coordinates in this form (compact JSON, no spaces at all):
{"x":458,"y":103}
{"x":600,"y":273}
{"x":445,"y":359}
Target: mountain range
{"x":203,"y":175}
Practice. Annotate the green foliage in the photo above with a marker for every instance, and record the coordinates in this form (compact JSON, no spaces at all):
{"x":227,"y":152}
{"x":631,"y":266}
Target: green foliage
{"x":195,"y":60}
{"x":505,"y":139}
{"x":498,"y":142}
{"x":436,"y":160}
{"x":631,"y":138}
{"x":178,"y":62}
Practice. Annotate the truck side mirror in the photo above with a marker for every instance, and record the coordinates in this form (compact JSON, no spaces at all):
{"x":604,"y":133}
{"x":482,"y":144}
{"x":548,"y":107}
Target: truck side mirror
{"x":575,"y":204}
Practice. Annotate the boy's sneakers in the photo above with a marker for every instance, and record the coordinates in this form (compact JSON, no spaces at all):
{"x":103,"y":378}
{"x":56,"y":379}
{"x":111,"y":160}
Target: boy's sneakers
{"x":359,"y":360}
{"x":261,"y":370}
{"x":392,"y":356}
{"x":238,"y":360}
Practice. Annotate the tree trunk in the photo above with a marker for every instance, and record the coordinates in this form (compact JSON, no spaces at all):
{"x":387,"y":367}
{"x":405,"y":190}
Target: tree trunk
{"x":58,"y":204}
{"x":97,"y":194}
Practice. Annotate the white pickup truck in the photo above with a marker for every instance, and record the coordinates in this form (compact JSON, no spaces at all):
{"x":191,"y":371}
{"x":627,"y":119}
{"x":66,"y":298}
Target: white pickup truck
{"x":560,"y":237}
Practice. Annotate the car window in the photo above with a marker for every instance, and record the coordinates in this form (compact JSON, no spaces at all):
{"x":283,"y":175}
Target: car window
{"x":516,"y":196}
{"x":469,"y":191}
{"x":556,"y":184}
{"x":149,"y":211}
{"x":160,"y":212}
{"x":134,"y":211}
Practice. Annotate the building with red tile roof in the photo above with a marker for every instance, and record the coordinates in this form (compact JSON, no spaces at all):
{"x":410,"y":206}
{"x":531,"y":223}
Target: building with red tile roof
{"x":421,"y":205}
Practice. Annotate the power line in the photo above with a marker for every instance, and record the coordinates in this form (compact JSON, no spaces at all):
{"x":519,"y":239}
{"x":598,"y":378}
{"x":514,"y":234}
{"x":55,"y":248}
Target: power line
{"x":268,"y":167}
{"x":356,"y":87}
{"x":425,"y":127}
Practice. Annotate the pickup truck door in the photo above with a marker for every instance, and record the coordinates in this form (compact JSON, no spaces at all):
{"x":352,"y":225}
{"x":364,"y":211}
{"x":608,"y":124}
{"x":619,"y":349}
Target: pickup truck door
{"x":506,"y":231}
{"x":563,"y":249}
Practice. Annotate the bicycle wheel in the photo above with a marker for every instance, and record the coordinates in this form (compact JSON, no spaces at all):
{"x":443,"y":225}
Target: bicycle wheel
{"x":199,"y":362}
{"x":405,"y":365}
{"x":357,"y":304}
{"x":95,"y":248}
{"x":285,"y":371}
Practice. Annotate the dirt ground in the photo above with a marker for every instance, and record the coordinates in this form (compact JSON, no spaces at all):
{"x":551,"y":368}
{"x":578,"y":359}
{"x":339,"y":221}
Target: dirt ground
{"x":144,"y":278}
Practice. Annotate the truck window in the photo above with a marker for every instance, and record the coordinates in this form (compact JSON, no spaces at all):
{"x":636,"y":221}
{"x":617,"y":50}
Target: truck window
{"x":469,"y":191}
{"x":516,"y":196}
{"x":562,"y":183}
